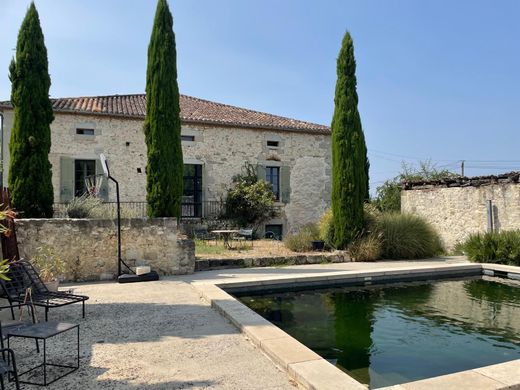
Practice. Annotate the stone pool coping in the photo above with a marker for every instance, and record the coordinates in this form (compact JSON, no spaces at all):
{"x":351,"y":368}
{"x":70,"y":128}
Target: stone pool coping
{"x":315,"y":373}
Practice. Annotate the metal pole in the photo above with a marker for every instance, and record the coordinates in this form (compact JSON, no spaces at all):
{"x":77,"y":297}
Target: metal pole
{"x":119,"y":259}
{"x":490,"y":224}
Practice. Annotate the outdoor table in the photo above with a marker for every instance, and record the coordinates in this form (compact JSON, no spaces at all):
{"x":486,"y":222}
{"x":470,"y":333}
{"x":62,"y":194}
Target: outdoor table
{"x":226,"y":236}
{"x":44,"y":331}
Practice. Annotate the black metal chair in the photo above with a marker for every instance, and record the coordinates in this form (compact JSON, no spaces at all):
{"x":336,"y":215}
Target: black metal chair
{"x":244,"y":235}
{"x":23,"y":276}
{"x":8,"y":368}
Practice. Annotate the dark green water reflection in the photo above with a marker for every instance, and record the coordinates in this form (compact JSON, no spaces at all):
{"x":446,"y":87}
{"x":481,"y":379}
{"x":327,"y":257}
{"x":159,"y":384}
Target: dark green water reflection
{"x":399,"y":333}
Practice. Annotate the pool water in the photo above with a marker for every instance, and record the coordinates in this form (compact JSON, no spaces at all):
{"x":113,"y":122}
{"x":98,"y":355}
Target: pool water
{"x":391,"y":334}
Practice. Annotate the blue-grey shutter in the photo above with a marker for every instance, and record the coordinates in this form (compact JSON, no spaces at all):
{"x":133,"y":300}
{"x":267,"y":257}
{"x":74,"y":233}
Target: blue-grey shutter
{"x":103,"y":191}
{"x":66,"y":179}
{"x":260,"y":172}
{"x":285,"y":184}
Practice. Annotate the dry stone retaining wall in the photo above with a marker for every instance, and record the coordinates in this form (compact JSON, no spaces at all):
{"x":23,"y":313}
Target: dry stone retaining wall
{"x":89,"y":247}
{"x":457,"y":212}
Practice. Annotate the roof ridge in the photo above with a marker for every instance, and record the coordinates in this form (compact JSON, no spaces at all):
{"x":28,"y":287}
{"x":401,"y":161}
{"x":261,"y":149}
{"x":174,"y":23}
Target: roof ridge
{"x":253,"y":111}
{"x":193,"y":109}
{"x":96,"y":96}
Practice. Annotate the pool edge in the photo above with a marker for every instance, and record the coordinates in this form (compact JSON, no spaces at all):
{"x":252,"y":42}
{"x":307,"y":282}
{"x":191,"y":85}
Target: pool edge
{"x":315,"y":373}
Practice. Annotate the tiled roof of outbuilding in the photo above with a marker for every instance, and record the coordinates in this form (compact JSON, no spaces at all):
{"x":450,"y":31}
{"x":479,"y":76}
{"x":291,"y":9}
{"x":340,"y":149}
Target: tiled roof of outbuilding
{"x":193,"y":110}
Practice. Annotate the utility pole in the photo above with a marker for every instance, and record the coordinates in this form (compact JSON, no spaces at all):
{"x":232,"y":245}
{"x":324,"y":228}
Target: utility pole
{"x":462,"y":168}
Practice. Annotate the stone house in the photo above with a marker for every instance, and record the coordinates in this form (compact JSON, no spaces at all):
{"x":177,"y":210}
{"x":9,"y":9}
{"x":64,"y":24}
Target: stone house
{"x":457,"y":207}
{"x":217,"y":139}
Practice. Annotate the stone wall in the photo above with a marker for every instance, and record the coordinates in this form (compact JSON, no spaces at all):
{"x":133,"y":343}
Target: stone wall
{"x":89,"y":247}
{"x":222,"y":152}
{"x":459,"y":211}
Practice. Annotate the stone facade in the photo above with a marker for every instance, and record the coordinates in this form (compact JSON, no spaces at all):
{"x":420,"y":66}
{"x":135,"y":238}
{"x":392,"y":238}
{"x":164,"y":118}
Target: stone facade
{"x":459,"y":211}
{"x":89,"y":247}
{"x":304,"y":160}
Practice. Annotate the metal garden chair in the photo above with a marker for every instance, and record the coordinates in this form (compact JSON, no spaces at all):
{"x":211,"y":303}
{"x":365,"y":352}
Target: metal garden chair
{"x":23,"y":276}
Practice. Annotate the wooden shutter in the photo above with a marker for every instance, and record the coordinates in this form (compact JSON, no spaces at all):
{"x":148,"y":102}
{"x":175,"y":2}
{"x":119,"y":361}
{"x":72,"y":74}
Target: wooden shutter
{"x":66,"y":179}
{"x":103,"y":191}
{"x":285,"y":184}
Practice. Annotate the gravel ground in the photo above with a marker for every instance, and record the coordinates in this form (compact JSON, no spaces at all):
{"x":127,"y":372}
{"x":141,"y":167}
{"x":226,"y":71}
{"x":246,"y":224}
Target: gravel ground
{"x":155,"y":335}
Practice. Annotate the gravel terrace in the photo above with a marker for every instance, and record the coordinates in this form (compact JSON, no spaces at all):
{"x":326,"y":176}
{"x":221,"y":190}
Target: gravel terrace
{"x":161,"y":335}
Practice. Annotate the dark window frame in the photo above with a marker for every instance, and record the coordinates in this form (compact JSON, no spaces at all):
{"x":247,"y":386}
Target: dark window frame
{"x":82,"y":169}
{"x":192,"y":188}
{"x":273,"y":144}
{"x":274,"y":228}
{"x":85,"y":131}
{"x":272,"y":176}
{"x":187,"y":138}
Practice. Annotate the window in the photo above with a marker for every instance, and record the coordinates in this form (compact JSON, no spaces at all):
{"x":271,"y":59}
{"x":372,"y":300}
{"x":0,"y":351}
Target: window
{"x":85,"y":131}
{"x":189,"y":138}
{"x":272,"y":175}
{"x":274,"y":232}
{"x":273,"y":144}
{"x":192,"y":191}
{"x":82,"y":169}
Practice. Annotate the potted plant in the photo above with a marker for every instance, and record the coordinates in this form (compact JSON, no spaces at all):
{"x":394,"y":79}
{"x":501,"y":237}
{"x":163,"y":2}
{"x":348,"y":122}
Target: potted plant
{"x":49,"y":266}
{"x":318,"y":245}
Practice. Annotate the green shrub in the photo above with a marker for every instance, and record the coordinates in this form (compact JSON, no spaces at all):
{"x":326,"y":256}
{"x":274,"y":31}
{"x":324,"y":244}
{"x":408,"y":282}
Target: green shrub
{"x":495,"y":247}
{"x":326,"y":228}
{"x":371,"y":217}
{"x":86,"y":206}
{"x":366,"y":248}
{"x":83,"y":206}
{"x":250,"y":201}
{"x":302,"y":241}
{"x":407,"y":236}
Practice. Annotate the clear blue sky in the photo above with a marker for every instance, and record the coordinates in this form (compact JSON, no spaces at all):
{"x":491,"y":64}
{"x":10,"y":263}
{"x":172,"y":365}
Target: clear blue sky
{"x":436,"y":79}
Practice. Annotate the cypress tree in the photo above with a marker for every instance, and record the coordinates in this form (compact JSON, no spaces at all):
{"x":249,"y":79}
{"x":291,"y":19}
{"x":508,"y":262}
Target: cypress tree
{"x":30,"y":175}
{"x":162,"y":127}
{"x":349,"y":152}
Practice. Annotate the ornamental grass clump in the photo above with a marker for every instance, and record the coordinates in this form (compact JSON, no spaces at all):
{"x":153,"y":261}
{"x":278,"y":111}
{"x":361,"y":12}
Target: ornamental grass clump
{"x":494,"y":247}
{"x":302,"y":240}
{"x":407,"y":236}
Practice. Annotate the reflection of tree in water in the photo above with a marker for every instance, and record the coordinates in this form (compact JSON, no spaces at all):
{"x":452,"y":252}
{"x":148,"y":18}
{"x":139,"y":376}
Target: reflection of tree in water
{"x":353,"y":326}
{"x":277,"y":309}
{"x":492,"y":291}
{"x":354,"y":321}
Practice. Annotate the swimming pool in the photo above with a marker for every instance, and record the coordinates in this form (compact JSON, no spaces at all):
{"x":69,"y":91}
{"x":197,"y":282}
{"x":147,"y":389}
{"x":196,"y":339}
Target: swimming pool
{"x":395,"y":333}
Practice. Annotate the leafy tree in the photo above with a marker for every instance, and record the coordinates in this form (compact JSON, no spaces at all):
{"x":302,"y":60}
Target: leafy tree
{"x":349,"y":152}
{"x":250,"y":201}
{"x":388,"y":195}
{"x":30,"y":174}
{"x":162,"y":127}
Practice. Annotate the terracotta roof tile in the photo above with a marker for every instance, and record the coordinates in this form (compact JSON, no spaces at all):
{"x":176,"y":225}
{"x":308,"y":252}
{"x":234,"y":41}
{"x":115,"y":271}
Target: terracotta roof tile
{"x":193,"y":110}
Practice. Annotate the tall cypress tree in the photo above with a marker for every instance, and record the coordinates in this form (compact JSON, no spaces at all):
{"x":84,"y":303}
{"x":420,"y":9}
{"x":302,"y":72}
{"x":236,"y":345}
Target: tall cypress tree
{"x":349,"y":152}
{"x":162,"y":127}
{"x":30,"y":175}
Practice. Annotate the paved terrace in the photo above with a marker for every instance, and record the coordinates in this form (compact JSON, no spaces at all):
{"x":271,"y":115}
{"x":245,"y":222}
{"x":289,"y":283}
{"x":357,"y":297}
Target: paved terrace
{"x":162,"y":335}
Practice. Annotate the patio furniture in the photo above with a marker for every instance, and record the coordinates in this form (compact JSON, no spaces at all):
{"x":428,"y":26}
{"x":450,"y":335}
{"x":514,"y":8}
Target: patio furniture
{"x":44,"y":331}
{"x":8,"y":368}
{"x":244,"y":235}
{"x":226,"y":236}
{"x":203,"y":234}
{"x":5,"y":326}
{"x":23,"y":276}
